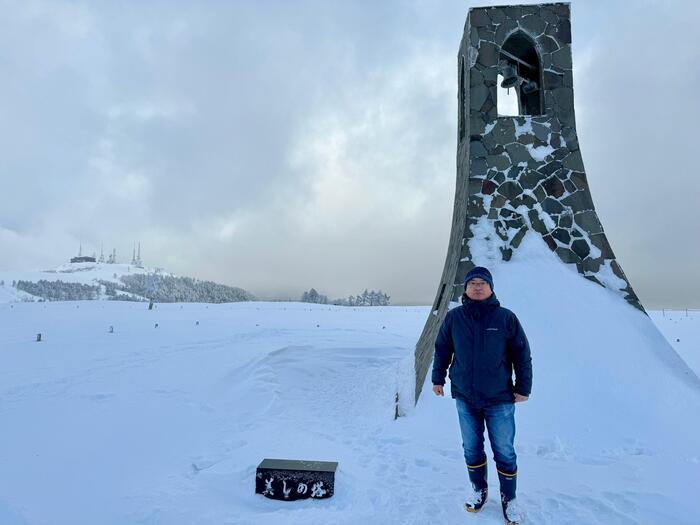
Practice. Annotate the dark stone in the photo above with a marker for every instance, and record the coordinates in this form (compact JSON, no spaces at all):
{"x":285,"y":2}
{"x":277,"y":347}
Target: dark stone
{"x":566,"y":115}
{"x":478,"y":167}
{"x":550,"y":242}
{"x":568,"y":79}
{"x":573,"y":161}
{"x":515,"y":222}
{"x":510,"y":189}
{"x":567,"y":256}
{"x":476,"y":124}
{"x":578,"y":201}
{"x":476,"y":77}
{"x":562,"y":235}
{"x":569,"y":186}
{"x":475,"y":206}
{"x":553,"y":187}
{"x":561,"y":59}
{"x":479,"y":18}
{"x":565,"y":220}
{"x":517,"y":239}
{"x":551,"y":206}
{"x":488,"y":54}
{"x":548,"y":45}
{"x":529,"y":179}
{"x":569,"y":136}
{"x":577,"y":234}
{"x":302,"y":479}
{"x":513,"y":12}
{"x":489,"y":142}
{"x":500,"y":162}
{"x":493,"y":213}
{"x":564,"y":98}
{"x":579,"y":179}
{"x":505,"y":213}
{"x":498,"y":149}
{"x":536,"y":222}
{"x":514,"y":172}
{"x":478,"y":96}
{"x":527,"y":200}
{"x":541,"y":131}
{"x":504,"y":30}
{"x":581,"y":248}
{"x":617,"y":270}
{"x":498,"y":201}
{"x":476,"y":149}
{"x":553,"y":80}
{"x":533,"y":24}
{"x":488,"y":108}
{"x":546,"y":60}
{"x":486,"y":33}
{"x":474,"y":37}
{"x":540,"y":193}
{"x":560,"y":153}
{"x":562,"y":9}
{"x":488,"y":187}
{"x":501,"y":230}
{"x":601,"y":242}
{"x":500,"y":177}
{"x":526,"y":138}
{"x":564,"y":31}
{"x":518,"y":153}
{"x":529,"y":10}
{"x":556,"y":140}
{"x":550,"y":168}
{"x":504,"y":131}
{"x":474,"y":186}
{"x":589,"y":264}
{"x":549,"y":16}
{"x":506,"y":253}
{"x":497,"y":15}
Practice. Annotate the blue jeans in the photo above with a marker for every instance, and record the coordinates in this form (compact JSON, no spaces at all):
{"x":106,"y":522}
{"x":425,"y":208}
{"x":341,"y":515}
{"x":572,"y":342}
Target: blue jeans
{"x":500,"y":423}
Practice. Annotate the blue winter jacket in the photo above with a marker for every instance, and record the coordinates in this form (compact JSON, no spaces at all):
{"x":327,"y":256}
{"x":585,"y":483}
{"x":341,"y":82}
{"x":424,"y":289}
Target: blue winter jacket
{"x":482,"y":343}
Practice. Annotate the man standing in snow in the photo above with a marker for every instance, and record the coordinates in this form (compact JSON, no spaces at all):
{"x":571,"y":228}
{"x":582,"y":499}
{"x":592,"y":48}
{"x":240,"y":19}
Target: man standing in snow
{"x":482,"y":343}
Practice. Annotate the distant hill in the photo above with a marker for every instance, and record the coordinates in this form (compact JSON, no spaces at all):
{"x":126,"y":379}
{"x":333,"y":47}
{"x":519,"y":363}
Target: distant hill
{"x":121,"y":282}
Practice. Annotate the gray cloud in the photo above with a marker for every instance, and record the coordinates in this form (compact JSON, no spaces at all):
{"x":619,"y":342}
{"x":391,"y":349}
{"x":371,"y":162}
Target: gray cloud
{"x":282,"y":145}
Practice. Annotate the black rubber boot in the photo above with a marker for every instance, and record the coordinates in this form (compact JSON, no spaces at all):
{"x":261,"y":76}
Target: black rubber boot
{"x":477,"y":477}
{"x":508,"y":485}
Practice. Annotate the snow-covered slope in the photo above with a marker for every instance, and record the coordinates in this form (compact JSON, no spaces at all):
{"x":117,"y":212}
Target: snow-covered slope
{"x":682,"y":330}
{"x":84,"y":273}
{"x":166,"y":425}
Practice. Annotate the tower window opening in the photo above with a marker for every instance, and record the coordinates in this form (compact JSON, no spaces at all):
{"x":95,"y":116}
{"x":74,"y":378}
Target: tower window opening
{"x":519,"y":68}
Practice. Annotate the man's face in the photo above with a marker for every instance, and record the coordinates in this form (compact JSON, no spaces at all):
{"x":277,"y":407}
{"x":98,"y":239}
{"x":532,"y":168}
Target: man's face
{"x":478,"y":289}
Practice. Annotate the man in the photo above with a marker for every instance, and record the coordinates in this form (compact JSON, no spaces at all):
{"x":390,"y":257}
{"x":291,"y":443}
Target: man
{"x":482,"y":343}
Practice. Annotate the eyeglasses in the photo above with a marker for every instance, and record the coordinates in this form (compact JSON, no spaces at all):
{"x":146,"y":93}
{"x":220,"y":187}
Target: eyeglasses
{"x":475,"y":284}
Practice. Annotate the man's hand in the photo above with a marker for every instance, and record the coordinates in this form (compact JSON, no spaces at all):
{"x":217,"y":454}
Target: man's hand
{"x":518,"y":398}
{"x":439,"y":390}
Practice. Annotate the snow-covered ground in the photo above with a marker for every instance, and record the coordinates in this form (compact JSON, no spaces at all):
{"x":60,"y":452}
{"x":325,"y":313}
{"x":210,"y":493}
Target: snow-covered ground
{"x":682,"y":330}
{"x":166,"y":424}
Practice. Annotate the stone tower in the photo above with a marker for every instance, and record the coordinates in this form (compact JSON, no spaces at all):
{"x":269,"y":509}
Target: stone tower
{"x":519,"y":173}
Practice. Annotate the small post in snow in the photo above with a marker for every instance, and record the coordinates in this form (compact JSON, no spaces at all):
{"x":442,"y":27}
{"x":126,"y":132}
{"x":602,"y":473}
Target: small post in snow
{"x":38,"y":337}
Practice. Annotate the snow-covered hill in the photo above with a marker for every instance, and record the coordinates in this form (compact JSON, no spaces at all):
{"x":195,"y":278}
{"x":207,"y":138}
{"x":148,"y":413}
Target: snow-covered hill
{"x":166,"y":424}
{"x":88,"y":281}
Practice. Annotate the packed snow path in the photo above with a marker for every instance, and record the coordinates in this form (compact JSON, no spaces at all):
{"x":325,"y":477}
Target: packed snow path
{"x":166,"y":425}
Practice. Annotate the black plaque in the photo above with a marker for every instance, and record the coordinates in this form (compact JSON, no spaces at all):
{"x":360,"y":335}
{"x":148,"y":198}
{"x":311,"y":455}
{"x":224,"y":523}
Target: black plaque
{"x":289,"y":479}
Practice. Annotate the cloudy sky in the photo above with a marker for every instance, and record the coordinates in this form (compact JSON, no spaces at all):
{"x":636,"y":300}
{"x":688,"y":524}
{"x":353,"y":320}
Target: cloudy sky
{"x":279,"y":145}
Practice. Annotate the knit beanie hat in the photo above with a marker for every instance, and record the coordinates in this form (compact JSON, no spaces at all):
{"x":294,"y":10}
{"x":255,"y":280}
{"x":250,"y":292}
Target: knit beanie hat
{"x":481,"y":273}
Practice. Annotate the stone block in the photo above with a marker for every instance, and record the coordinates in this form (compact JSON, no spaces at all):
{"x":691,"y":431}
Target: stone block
{"x":570,"y":186}
{"x":554,"y":187}
{"x":500,"y":162}
{"x":552,"y":206}
{"x":573,"y":161}
{"x":477,"y":149}
{"x":540,"y":194}
{"x":517,"y":239}
{"x":579,"y":179}
{"x":510,"y":189}
{"x":488,"y":54}
{"x":290,"y":480}
{"x":498,"y":201}
{"x":581,"y":248}
{"x":504,"y":131}
{"x":478,"y":96}
{"x":506,"y":253}
{"x":518,"y":153}
{"x":578,"y":201}
{"x":550,"y":242}
{"x":496,"y":15}
{"x":499,"y":178}
{"x":488,"y":187}
{"x":589,"y":264}
{"x":533,"y":25}
{"x":567,"y":256}
{"x":547,"y":45}
{"x":541,"y":131}
{"x":478,"y":167}
{"x":486,"y":33}
{"x":479,"y":18}
{"x":549,"y":168}
{"x":601,"y":242}
{"x":562,"y":236}
{"x":504,"y":30}
{"x":570,"y":137}
{"x":566,"y":220}
{"x":536,"y":222}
